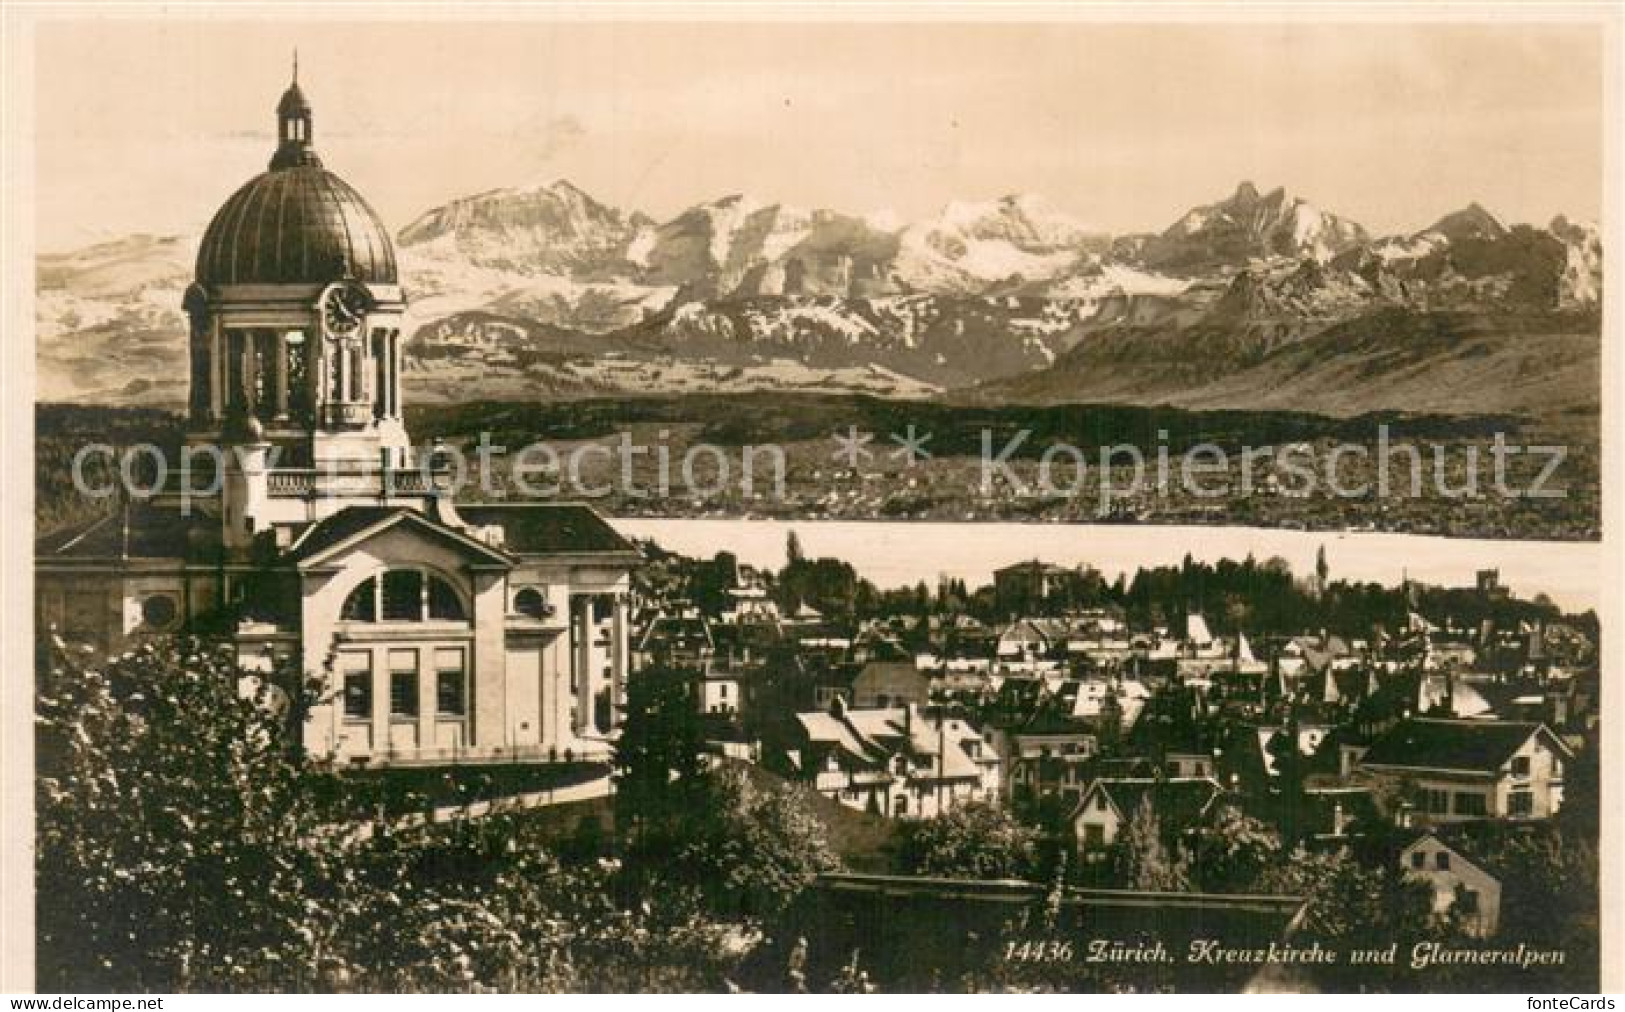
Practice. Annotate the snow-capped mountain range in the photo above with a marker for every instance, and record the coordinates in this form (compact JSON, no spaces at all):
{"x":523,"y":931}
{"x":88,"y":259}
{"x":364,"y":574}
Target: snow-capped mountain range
{"x":544,"y":290}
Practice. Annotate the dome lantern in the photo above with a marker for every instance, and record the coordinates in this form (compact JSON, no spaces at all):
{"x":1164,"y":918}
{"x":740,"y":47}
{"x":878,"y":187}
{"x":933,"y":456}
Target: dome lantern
{"x":293,"y":115}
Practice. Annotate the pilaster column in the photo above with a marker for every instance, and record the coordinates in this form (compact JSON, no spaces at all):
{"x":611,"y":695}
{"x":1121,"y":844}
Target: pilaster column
{"x":231,"y":372}
{"x":330,"y":381}
{"x":386,"y":374}
{"x":429,"y":697}
{"x":394,"y":342}
{"x":249,"y":342}
{"x":378,"y":666}
{"x":618,"y":661}
{"x":581,"y":631}
{"x":281,"y":376}
{"x":217,"y":358}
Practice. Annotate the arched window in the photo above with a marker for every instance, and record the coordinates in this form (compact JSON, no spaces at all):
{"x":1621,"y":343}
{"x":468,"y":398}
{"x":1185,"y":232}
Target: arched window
{"x":362,"y":604}
{"x":403,"y":595}
{"x":530,"y":601}
{"x":444,"y":603}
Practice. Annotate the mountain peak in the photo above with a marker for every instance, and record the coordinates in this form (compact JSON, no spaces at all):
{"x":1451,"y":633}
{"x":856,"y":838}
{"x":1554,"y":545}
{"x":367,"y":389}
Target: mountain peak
{"x":738,"y":201}
{"x":1245,"y":226}
{"x":547,"y":226}
{"x":1023,"y":221}
{"x":564,"y":186}
{"x":1471,"y":222}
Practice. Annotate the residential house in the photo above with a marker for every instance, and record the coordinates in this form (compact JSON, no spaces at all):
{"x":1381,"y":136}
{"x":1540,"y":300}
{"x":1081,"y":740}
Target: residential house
{"x":681,"y":639}
{"x":895,"y":762}
{"x":1023,"y":585}
{"x":890,"y":677}
{"x":1031,"y":639}
{"x":1458,"y":882}
{"x":1109,"y":804}
{"x":1453,"y":770}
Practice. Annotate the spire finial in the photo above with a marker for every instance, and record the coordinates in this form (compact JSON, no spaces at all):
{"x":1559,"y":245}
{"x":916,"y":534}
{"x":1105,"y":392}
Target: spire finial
{"x":295,"y":64}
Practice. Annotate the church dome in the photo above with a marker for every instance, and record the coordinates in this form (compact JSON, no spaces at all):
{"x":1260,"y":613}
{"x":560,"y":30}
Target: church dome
{"x":300,"y":224}
{"x":297,"y":223}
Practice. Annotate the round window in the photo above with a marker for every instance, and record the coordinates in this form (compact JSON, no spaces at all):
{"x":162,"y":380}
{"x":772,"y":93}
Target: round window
{"x":532,"y":602}
{"x":158,"y":611}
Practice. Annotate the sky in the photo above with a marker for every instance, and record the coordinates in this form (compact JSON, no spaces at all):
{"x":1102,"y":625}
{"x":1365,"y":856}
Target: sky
{"x":148,"y":125}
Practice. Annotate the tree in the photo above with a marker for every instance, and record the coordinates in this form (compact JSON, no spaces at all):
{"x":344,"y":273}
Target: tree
{"x":830,"y":585}
{"x":658,"y":757}
{"x":710,"y":581}
{"x":748,"y":849}
{"x":792,"y":549}
{"x":974,"y":840}
{"x":1141,"y":858}
{"x":1352,"y":906}
{"x":185,"y":843}
{"x":179,"y":829}
{"x":1110,"y":723}
{"x":1292,"y":768}
{"x":1550,"y":885}
{"x":1582,"y":792}
{"x":1232,"y":850}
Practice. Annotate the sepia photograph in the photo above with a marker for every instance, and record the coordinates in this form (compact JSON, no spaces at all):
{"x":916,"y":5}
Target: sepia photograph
{"x":792,"y":500}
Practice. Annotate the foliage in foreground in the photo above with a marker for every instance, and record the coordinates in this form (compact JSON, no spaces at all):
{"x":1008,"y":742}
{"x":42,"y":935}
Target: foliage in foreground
{"x":742,"y":849}
{"x":976,"y":840}
{"x":185,"y":845}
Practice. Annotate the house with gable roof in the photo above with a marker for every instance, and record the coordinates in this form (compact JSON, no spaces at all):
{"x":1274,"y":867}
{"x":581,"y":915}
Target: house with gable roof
{"x":897,"y":762}
{"x":1461,"y":883}
{"x":1109,"y":804}
{"x":1451,"y":770}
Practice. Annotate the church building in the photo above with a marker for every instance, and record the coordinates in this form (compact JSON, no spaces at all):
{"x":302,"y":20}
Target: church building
{"x":443,"y":632}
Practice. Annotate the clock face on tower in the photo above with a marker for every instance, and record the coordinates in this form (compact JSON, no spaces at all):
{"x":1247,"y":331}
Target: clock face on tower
{"x":342,"y":310}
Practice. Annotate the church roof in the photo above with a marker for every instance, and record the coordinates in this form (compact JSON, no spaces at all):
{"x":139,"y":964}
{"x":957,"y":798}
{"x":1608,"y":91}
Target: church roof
{"x":136,"y":530}
{"x":293,"y":101}
{"x":549,"y":528}
{"x":339,"y":527}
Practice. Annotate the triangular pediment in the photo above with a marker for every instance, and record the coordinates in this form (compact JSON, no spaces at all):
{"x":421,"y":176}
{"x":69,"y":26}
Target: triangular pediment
{"x":329,"y":539}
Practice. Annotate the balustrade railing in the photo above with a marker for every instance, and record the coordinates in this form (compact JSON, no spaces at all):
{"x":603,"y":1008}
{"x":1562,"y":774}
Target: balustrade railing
{"x":305,"y":481}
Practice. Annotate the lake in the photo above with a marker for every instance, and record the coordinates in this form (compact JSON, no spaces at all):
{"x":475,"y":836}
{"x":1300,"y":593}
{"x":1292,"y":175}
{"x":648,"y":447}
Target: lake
{"x":897,"y":554}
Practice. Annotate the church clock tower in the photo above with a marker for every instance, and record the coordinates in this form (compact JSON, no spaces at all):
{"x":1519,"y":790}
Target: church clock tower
{"x":296,"y":317}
